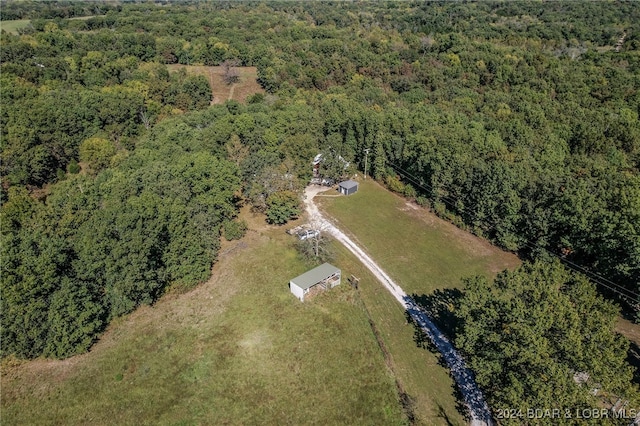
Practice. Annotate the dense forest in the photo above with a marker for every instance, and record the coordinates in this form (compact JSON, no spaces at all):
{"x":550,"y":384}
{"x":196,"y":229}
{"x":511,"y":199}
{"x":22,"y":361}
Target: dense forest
{"x":515,"y":120}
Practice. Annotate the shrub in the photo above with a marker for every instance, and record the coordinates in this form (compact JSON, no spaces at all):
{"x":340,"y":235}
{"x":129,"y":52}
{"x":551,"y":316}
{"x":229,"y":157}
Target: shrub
{"x":234,"y":230}
{"x":256,"y":98}
{"x":409,"y":191}
{"x":73,"y":167}
{"x":282,"y":206}
{"x":423,"y":201}
{"x":394,"y":184}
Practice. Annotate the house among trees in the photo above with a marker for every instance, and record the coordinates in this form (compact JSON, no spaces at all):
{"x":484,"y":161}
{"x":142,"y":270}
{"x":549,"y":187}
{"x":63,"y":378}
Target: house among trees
{"x":316,"y":165}
{"x":348,"y":187}
{"x":318,"y":279}
{"x":329,"y":166}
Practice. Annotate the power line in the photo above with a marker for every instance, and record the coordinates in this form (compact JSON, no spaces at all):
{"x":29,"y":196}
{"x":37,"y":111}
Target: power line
{"x":630,"y":296}
{"x":592,"y":275}
{"x":578,"y":268}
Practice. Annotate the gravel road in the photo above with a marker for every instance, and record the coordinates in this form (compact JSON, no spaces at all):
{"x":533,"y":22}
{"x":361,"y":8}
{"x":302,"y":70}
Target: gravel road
{"x":474,"y":399}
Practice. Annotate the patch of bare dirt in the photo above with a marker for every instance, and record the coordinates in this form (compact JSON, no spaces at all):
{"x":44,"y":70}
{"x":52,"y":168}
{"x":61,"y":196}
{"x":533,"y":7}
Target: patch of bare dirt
{"x":629,"y":330}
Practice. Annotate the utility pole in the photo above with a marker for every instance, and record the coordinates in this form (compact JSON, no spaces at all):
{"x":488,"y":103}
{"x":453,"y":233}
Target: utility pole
{"x":366,"y":154}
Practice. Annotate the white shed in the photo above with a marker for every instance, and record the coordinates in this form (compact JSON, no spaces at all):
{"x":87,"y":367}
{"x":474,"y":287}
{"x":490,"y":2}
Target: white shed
{"x":321,"y":278}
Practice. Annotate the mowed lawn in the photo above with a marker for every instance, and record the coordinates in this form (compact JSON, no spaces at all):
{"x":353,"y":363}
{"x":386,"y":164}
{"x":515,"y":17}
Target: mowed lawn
{"x":239,"y":349}
{"x":429,"y":387}
{"x":422,"y":253}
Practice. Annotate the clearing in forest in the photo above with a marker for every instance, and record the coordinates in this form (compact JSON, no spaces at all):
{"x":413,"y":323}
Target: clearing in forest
{"x":420,"y":250}
{"x":13,"y":26}
{"x":246,"y":85}
{"x":238,"y":349}
{"x":425,"y":255}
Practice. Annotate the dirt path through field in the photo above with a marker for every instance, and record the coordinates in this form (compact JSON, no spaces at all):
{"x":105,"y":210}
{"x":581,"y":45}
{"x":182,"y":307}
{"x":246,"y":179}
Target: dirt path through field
{"x":233,"y":87}
{"x":474,"y":399}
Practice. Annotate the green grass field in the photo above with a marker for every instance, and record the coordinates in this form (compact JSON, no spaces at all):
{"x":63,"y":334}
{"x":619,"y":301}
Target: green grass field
{"x":419,"y":250}
{"x":12,"y":27}
{"x":422,"y":253}
{"x":417,"y":371}
{"x":239,"y":349}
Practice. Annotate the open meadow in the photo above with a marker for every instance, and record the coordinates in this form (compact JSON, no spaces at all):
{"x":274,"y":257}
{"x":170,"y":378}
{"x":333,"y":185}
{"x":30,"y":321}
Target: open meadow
{"x":423,"y":253}
{"x":13,"y":26}
{"x":127,"y":156}
{"x":238,"y":349}
{"x":246,"y":85}
{"x":418,"y":249}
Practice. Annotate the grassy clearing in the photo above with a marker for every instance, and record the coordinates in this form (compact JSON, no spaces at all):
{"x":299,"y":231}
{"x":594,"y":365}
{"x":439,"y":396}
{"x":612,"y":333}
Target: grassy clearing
{"x":423,"y":253}
{"x":246,"y":86}
{"x":417,"y":372}
{"x":12,"y":27}
{"x":239,"y":349}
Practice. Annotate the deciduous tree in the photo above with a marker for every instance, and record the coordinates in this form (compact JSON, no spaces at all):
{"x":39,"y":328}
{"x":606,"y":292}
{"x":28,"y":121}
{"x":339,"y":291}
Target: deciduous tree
{"x":528,"y":335}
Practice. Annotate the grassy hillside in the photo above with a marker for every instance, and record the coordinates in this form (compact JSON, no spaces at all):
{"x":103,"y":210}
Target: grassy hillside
{"x":239,"y":349}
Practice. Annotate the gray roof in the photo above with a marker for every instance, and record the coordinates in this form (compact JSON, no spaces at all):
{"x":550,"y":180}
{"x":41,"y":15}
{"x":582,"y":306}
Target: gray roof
{"x":348,"y":184}
{"x":314,"y":276}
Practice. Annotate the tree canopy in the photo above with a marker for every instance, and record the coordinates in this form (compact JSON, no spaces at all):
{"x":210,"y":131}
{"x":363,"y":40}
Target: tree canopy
{"x":517,"y":120}
{"x":540,"y":337}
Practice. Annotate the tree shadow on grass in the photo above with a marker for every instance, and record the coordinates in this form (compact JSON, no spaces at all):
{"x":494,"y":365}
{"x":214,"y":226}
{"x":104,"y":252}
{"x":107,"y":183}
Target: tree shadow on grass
{"x":440,"y":306}
{"x":408,"y":404}
{"x":461,"y":406}
{"x":444,"y":416}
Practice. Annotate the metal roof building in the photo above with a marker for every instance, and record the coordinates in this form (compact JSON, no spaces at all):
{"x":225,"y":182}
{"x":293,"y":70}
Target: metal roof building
{"x":348,"y":187}
{"x":321,"y":278}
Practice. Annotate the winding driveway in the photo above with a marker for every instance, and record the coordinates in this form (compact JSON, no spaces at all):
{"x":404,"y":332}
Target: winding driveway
{"x":474,"y":399}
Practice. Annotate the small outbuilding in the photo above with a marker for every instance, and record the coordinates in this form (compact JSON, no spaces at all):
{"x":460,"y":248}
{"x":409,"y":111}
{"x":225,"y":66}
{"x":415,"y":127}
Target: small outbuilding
{"x":323,"y":277}
{"x":348,"y":187}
